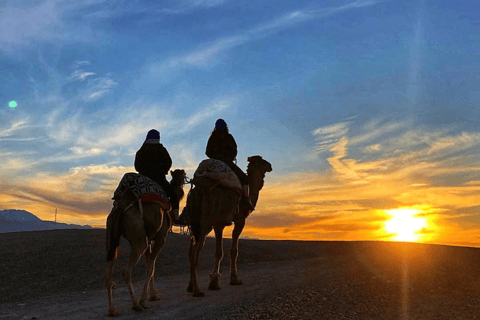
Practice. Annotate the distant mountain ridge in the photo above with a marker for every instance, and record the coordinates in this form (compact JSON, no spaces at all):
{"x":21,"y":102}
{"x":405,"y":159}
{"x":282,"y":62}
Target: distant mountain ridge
{"x":13,"y":220}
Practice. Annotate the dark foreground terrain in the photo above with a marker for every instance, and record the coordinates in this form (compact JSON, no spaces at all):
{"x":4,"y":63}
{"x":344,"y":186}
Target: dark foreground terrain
{"x":60,"y":275}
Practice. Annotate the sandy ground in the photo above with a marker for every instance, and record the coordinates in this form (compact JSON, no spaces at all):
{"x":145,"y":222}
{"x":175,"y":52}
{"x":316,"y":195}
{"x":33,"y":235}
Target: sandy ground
{"x":175,"y":303}
{"x":59,"y":275}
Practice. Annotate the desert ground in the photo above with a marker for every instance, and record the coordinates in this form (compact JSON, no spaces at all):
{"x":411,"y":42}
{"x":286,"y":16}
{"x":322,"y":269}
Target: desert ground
{"x":59,"y":274}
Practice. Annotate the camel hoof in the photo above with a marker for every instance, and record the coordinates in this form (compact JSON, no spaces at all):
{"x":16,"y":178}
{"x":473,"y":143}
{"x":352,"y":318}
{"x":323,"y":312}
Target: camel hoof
{"x":199,"y":294}
{"x":143,"y":304}
{"x":190,"y":288}
{"x":137,"y":308}
{"x":112,"y":313}
{"x":154,"y":298}
{"x":236,"y":282}
{"x":214,"y":287}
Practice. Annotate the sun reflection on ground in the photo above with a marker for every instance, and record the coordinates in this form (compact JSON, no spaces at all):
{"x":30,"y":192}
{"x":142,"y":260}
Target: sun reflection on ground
{"x":405,"y":224}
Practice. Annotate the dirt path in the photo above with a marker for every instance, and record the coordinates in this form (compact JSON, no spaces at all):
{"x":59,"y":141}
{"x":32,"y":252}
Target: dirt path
{"x":261,"y":280}
{"x":59,"y":275}
{"x":318,"y":288}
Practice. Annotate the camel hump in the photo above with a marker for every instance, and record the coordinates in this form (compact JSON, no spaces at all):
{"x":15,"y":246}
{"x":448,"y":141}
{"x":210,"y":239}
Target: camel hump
{"x":143,"y":188}
{"x":218,"y":171}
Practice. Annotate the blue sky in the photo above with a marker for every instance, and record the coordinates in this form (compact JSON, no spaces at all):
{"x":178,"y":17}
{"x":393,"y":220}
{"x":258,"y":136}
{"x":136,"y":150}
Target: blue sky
{"x":346,"y":95}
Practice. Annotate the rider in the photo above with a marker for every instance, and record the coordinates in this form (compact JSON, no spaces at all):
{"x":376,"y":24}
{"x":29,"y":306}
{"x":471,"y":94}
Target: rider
{"x":222,"y":146}
{"x":152,"y":160}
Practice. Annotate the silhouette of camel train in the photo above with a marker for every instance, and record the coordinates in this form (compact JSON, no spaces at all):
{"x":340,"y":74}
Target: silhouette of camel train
{"x":143,"y":213}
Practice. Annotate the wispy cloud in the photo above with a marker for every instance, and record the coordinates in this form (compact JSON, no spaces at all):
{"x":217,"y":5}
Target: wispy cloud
{"x":185,"y":6}
{"x":327,"y":136}
{"x":31,"y":22}
{"x":81,"y":75}
{"x":208,"y":111}
{"x":98,"y":87}
{"x":206,"y":55}
{"x":14,"y":127}
{"x":24,"y":23}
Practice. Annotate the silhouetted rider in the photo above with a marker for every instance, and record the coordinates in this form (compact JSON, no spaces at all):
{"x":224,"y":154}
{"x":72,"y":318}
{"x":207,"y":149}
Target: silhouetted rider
{"x":222,"y":146}
{"x":153,"y":160}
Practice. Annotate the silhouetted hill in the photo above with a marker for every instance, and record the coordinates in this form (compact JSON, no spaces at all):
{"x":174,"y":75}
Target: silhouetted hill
{"x":13,"y":220}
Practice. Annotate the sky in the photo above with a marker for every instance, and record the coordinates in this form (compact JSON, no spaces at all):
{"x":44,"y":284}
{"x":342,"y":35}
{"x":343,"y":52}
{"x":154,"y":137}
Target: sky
{"x":368,"y":110}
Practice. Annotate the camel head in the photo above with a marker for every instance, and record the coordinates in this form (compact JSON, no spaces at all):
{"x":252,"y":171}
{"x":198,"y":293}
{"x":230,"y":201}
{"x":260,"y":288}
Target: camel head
{"x":178,"y":177}
{"x":256,"y":169}
{"x":257,"y":163}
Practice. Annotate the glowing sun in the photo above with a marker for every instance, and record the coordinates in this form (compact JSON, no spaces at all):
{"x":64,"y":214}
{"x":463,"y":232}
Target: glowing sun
{"x":404,"y":224}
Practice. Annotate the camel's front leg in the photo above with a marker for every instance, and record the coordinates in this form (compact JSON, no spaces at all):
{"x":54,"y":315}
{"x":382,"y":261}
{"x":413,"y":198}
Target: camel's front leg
{"x":194,"y":253}
{"x":215,"y":275}
{"x":237,"y":230}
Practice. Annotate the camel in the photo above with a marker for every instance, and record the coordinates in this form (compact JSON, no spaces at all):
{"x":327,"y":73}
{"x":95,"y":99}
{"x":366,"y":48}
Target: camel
{"x":211,"y":206}
{"x":145,"y":225}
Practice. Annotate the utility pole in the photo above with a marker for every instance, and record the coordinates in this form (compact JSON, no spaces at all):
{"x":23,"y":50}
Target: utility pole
{"x":55,"y":218}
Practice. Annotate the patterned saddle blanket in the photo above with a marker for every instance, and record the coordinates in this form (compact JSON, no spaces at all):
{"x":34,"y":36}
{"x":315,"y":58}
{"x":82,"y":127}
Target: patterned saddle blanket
{"x":218,"y":171}
{"x":143,"y":188}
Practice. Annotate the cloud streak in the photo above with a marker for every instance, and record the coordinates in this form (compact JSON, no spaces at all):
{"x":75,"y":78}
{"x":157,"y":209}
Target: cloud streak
{"x":206,"y":56}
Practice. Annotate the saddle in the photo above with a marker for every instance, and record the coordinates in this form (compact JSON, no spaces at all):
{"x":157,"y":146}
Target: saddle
{"x":144,"y":189}
{"x":219,"y":172}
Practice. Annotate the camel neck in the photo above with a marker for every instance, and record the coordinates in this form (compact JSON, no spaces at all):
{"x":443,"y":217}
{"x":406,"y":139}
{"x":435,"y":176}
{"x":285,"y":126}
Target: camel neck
{"x":253,"y":194}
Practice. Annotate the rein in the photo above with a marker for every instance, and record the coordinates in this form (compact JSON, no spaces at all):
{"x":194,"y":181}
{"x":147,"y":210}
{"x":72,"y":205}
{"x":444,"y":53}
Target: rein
{"x":189,"y":181}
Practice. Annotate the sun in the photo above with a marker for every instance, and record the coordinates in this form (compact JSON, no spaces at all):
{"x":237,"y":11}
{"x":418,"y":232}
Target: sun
{"x":404,"y":224}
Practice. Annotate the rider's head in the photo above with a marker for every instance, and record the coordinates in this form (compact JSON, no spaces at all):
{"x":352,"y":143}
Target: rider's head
{"x":221,"y":125}
{"x":153,"y":136}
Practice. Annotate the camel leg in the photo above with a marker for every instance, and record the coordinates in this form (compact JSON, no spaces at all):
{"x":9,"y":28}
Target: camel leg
{"x":237,"y":230}
{"x":160,"y":240}
{"x":195,"y":247}
{"x":138,"y":247}
{"x":191,"y":260}
{"x":150,"y":257}
{"x":215,"y":275}
{"x":152,"y":292}
{"x":151,"y":260}
{"x":112,"y":312}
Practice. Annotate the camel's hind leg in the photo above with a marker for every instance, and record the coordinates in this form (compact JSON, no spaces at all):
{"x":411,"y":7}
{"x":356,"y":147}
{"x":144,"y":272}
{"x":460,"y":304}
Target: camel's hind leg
{"x":194,"y":253}
{"x":112,"y":312}
{"x":138,"y":247}
{"x":151,"y":258}
{"x":237,"y":230}
{"x":113,"y":240}
{"x":215,"y":275}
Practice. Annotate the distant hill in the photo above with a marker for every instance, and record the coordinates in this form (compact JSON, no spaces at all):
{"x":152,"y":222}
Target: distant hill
{"x":13,"y":220}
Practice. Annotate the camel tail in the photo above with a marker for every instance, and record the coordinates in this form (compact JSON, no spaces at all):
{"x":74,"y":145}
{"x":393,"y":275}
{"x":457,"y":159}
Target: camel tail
{"x":114,"y":232}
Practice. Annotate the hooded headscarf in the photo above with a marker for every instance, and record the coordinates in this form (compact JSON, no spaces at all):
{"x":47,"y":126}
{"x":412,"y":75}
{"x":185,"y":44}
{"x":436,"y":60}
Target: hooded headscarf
{"x":153,"y":136}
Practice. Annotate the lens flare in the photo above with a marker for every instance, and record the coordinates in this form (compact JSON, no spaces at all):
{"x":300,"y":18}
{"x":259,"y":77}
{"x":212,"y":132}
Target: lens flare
{"x":12,"y":104}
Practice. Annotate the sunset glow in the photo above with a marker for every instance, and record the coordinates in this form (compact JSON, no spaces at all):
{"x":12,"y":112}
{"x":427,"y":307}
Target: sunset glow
{"x":404,"y":224}
{"x":367,"y":110}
